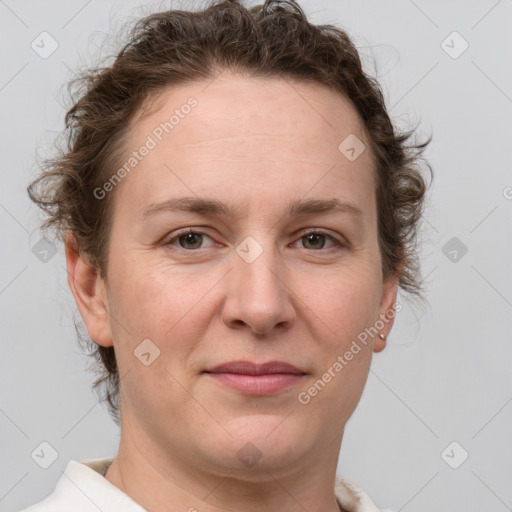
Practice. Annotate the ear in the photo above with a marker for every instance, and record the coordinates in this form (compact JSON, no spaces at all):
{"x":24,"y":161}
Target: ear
{"x":89,"y":291}
{"x":387,"y":311}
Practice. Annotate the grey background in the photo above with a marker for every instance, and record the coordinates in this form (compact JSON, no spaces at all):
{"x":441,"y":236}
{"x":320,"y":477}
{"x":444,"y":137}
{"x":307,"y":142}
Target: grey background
{"x":445,"y":375}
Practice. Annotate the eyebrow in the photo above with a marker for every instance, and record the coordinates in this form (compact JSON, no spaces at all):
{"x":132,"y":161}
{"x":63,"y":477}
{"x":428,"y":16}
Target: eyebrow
{"x":214,"y":207}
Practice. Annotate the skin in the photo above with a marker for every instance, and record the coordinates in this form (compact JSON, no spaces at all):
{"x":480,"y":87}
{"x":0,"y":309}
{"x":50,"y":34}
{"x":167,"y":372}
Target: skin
{"x":255,"y":144}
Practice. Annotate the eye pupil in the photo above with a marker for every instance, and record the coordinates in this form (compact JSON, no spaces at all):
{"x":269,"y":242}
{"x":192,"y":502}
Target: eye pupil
{"x":191,"y":238}
{"x":313,"y":238}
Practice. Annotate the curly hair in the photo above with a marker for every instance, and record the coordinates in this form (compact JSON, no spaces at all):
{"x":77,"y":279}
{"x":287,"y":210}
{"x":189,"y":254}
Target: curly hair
{"x":176,"y":47}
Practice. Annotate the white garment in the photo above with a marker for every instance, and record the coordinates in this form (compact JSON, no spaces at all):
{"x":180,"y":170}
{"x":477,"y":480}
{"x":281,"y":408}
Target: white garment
{"x":83,"y":488}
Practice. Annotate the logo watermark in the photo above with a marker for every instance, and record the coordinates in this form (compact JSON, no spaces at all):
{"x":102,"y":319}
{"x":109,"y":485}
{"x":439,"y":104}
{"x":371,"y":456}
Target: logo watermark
{"x":304,"y":397}
{"x":151,"y":142}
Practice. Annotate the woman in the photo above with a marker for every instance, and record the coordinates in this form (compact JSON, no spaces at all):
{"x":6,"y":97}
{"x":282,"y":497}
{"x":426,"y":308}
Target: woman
{"x":238,"y":214}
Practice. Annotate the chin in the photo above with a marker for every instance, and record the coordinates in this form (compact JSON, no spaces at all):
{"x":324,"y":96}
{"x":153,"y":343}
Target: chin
{"x":262,"y":443}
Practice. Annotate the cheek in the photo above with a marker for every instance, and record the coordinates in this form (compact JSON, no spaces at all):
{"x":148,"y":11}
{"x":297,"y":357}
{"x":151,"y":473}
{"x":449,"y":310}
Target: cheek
{"x":342,"y":309}
{"x":165,"y":303}
{"x":158,"y":303}
{"x":346,"y":301}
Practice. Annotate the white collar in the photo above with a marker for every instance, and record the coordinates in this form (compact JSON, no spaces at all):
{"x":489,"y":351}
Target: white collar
{"x":83,"y":488}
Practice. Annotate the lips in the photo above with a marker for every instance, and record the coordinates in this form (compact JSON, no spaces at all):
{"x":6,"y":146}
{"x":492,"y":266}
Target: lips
{"x":249,"y":368}
{"x":248,"y":378}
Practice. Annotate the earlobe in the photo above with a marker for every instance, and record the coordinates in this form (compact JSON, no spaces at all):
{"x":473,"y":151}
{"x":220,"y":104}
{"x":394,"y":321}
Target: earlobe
{"x":89,"y":291}
{"x":380,"y":343}
{"x":387,"y":312}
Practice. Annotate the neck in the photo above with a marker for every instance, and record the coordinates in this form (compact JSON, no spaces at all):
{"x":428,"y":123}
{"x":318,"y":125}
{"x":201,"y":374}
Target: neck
{"x":169,"y":483}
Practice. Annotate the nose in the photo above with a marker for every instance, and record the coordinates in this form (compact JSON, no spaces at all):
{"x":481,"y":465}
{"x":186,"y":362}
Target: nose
{"x":258,"y":295}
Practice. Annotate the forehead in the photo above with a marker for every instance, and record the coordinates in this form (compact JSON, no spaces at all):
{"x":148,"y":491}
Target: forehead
{"x":240,"y":105}
{"x":248,"y":135}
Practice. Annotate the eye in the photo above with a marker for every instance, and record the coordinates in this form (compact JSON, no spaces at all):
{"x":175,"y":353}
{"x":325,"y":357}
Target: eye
{"x":187,"y":239}
{"x":316,"y":240}
{"x":190,"y":240}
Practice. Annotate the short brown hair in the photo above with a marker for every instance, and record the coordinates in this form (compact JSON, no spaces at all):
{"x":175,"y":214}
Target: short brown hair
{"x":175,"y":47}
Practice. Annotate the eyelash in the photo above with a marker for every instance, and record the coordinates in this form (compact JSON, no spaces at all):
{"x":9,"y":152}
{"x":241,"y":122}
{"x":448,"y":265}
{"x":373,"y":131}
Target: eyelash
{"x":337,"y":243}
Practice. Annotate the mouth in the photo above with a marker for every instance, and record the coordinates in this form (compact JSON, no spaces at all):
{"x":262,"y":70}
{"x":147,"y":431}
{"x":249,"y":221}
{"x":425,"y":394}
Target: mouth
{"x":256,"y":379}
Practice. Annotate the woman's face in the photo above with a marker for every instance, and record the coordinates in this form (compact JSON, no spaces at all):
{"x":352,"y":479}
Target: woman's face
{"x":250,"y":168}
